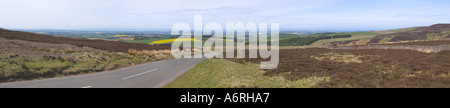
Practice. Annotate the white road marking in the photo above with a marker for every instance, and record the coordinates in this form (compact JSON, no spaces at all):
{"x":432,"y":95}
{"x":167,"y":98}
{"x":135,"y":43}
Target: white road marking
{"x":87,"y":87}
{"x":139,"y":74}
{"x":180,"y":62}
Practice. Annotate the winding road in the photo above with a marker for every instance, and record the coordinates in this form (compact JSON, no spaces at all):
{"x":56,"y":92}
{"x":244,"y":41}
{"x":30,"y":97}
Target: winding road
{"x":150,"y":75}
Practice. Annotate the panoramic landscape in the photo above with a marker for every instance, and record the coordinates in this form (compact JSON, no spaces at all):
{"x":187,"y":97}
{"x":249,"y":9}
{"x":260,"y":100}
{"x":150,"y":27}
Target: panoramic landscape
{"x":407,"y":57}
{"x":318,"y":48}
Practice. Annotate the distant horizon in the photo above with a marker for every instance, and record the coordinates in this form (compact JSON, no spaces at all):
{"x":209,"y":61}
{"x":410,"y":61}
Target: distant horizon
{"x":169,"y":29}
{"x":341,"y":15}
{"x":162,"y":29}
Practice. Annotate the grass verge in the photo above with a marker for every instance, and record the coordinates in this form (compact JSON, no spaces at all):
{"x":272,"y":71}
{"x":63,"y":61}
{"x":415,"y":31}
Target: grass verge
{"x":221,"y":73}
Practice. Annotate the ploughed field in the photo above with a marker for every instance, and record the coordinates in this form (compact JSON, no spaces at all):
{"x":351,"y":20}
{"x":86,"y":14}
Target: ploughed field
{"x":377,"y":68}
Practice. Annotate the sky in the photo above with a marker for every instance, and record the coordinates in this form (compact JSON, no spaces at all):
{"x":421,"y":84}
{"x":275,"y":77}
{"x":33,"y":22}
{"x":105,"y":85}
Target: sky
{"x":162,"y":14}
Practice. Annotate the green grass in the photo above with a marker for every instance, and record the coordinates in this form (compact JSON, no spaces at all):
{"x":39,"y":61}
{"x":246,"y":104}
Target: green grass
{"x":345,"y":58}
{"x":437,"y":36}
{"x":358,"y":33}
{"x":365,"y":36}
{"x":299,"y":41}
{"x":365,"y":41}
{"x":287,"y":36}
{"x":15,"y":67}
{"x":220,"y":73}
{"x":396,"y":30}
{"x":47,"y":66}
{"x":129,"y":41}
{"x":145,"y":41}
{"x":358,"y":37}
{"x":386,"y":39}
{"x":327,"y":37}
{"x":293,"y":47}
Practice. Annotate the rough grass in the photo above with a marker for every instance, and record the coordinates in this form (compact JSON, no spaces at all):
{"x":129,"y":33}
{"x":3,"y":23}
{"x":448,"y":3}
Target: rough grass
{"x":364,"y":41}
{"x":221,"y":73}
{"x":363,"y":37}
{"x":346,"y":58}
{"x":24,"y":60}
{"x":357,"y":37}
{"x":414,"y":34}
{"x":157,"y":54}
{"x":397,"y":30}
{"x":14,"y":67}
{"x":379,"y":68}
{"x":145,"y":41}
{"x":98,"y":44}
{"x":437,"y":36}
{"x":386,"y":39}
{"x":424,"y":43}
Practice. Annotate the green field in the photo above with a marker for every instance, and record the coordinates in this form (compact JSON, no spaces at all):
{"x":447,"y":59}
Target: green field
{"x":364,"y":36}
{"x":386,"y":39}
{"x":297,"y":40}
{"x":287,"y":36}
{"x":145,"y":41}
{"x":221,"y":73}
{"x":310,"y":39}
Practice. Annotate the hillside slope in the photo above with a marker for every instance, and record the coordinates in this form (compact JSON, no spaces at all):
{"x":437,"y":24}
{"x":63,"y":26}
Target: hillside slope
{"x":434,"y":32}
{"x":99,"y":44}
{"x":27,"y":56}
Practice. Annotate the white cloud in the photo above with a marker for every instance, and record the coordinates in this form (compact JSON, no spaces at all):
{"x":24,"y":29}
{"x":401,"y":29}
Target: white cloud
{"x":68,"y":14}
{"x":132,"y":16}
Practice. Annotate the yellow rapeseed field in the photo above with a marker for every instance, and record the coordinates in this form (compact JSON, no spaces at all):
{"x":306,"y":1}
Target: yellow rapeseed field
{"x":173,"y":40}
{"x":224,"y":39}
{"x":120,"y":35}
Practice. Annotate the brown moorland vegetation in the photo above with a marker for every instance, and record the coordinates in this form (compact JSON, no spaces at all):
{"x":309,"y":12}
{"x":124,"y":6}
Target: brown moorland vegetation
{"x":373,"y":68}
{"x":424,"y":43}
{"x":99,"y":44}
{"x":421,"y":33}
{"x":27,"y":56}
{"x":25,"y":60}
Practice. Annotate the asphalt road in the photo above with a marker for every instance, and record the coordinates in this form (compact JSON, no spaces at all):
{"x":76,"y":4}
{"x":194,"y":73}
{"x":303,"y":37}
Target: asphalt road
{"x":150,"y":75}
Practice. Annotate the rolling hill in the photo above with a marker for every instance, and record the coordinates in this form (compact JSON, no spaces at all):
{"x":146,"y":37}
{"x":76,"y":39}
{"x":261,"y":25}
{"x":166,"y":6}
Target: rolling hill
{"x":434,"y":32}
{"x":27,"y":56}
{"x":99,"y":44}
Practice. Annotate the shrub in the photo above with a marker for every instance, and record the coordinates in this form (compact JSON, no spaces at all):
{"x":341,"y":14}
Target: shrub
{"x":11,"y":65}
{"x":116,"y":64}
{"x":378,"y":67}
{"x":12,"y":70}
{"x":159,"y":54}
{"x":17,"y":67}
{"x":44,"y":67}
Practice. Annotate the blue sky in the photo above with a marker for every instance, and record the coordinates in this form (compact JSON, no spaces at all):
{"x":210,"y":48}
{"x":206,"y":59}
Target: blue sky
{"x":162,"y":14}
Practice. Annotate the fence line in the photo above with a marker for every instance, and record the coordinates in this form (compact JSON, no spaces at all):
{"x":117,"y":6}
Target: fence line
{"x":427,"y":49}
